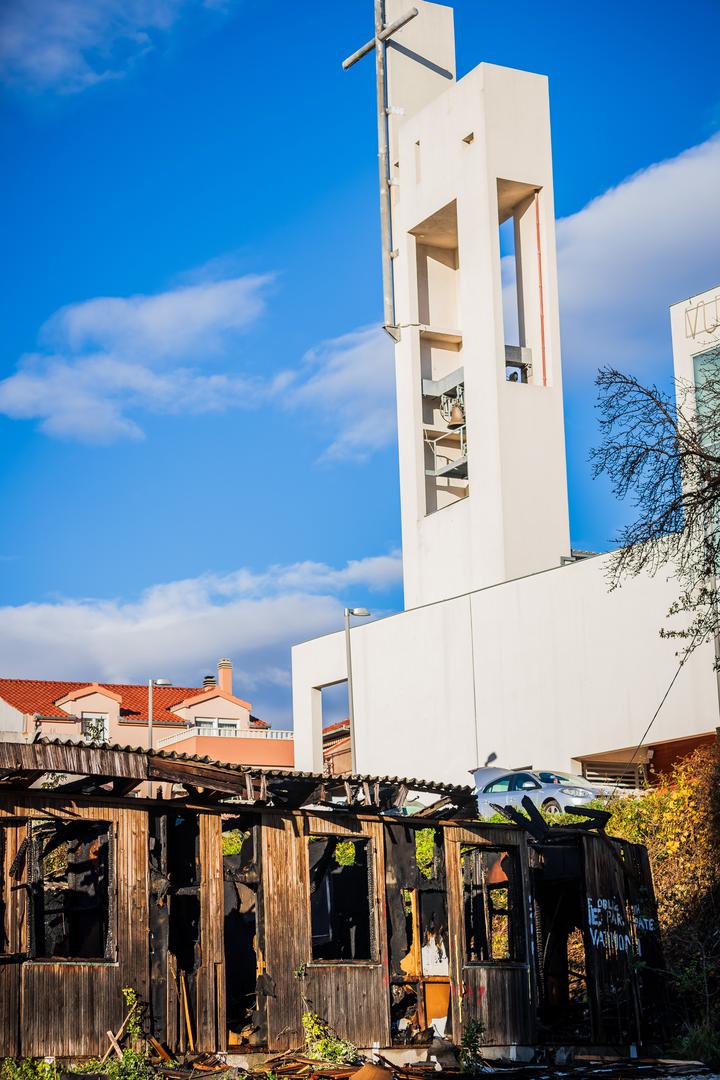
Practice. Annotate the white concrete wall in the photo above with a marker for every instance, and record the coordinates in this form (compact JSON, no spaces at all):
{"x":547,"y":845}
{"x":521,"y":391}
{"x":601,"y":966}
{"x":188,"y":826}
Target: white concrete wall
{"x":11,"y":723}
{"x":494,"y":124}
{"x":539,"y":671}
{"x":695,"y":325}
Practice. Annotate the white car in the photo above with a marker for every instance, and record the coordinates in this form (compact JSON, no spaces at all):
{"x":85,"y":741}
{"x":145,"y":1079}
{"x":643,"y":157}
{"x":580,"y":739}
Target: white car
{"x":550,"y":791}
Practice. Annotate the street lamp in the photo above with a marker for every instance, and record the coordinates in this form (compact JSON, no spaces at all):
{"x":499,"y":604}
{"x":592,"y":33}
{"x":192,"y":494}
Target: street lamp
{"x":356,"y":613}
{"x":151,"y":684}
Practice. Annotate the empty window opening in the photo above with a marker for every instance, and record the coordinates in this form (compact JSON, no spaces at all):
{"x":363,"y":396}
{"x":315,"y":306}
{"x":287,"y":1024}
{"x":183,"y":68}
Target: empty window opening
{"x":564,"y":1013}
{"x":491,"y":887}
{"x":241,"y":878}
{"x":341,"y":893}
{"x":71,"y":866}
{"x":444,"y":427}
{"x":509,"y":281}
{"x":417,"y":934}
{"x":337,"y":756}
{"x":521,"y":281}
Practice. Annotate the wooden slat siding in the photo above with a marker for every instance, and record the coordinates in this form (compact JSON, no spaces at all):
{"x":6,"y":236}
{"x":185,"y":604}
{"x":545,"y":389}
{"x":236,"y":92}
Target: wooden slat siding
{"x":9,"y":964}
{"x":500,"y":995}
{"x":66,"y":1008}
{"x":287,"y":928}
{"x":354,"y":998}
{"x":611,"y":986}
{"x":83,"y":760}
{"x":210,"y":1032}
{"x":651,"y":977}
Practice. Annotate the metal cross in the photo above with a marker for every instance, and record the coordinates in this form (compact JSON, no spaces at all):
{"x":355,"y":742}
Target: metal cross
{"x":383,"y":34}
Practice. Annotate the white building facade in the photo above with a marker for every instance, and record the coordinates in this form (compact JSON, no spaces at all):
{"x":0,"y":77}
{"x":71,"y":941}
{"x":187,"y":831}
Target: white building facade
{"x":508,"y":645}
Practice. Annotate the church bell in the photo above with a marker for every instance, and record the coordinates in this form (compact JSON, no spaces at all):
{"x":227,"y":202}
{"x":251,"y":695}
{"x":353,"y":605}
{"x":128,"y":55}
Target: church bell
{"x":457,"y":417}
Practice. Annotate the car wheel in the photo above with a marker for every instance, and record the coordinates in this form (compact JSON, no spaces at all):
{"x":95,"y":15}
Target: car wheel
{"x":552,"y":806}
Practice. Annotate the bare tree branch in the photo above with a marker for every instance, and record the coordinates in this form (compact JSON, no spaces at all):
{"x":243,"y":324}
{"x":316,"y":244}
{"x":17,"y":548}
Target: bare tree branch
{"x":664,"y":456}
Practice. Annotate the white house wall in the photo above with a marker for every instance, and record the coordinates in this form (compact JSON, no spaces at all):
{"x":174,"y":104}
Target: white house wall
{"x":11,"y":723}
{"x":539,"y":671}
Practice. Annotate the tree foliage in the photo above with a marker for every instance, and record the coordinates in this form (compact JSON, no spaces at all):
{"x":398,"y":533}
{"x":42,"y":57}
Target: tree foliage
{"x":664,"y":455}
{"x":679,"y":822}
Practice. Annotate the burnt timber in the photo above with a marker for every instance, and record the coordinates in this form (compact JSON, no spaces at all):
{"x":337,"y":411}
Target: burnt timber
{"x":234,"y":898}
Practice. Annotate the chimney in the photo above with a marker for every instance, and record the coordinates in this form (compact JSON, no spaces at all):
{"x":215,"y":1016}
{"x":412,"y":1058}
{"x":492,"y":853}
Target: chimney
{"x":225,"y":675}
{"x":208,"y":682}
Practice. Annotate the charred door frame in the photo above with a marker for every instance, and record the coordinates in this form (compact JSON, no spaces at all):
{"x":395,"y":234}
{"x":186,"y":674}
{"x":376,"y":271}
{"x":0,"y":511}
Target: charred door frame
{"x":13,"y":869}
{"x":474,"y":985}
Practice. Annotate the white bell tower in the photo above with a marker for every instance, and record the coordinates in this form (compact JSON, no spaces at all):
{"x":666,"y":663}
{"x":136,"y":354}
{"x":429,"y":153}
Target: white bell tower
{"x":479,"y":385}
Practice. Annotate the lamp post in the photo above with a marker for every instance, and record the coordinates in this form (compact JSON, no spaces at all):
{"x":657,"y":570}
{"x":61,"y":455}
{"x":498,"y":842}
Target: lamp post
{"x":356,"y":613}
{"x":152,"y":683}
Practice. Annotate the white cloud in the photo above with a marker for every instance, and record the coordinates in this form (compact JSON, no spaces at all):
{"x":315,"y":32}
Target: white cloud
{"x":349,"y":382}
{"x":645,"y":244}
{"x":113,"y":355}
{"x":186,"y":321}
{"x":180,"y":629}
{"x":622,"y":260}
{"x":68,"y":45}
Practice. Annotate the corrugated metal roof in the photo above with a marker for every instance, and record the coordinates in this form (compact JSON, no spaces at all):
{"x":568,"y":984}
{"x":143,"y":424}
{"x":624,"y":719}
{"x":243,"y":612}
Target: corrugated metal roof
{"x":413,"y":783}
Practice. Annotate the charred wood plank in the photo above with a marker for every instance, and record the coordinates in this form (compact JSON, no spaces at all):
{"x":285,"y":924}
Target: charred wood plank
{"x":196,"y":774}
{"x":71,"y":758}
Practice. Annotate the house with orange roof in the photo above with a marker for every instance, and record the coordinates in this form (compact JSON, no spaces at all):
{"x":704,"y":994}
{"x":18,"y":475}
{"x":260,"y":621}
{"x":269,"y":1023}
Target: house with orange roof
{"x":208,"y":720}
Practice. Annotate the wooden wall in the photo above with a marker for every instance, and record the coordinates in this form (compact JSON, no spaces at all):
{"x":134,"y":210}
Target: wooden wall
{"x":353,"y":997}
{"x":65,"y":1007}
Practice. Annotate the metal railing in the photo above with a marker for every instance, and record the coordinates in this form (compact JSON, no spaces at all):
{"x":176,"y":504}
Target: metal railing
{"x":235,"y":733}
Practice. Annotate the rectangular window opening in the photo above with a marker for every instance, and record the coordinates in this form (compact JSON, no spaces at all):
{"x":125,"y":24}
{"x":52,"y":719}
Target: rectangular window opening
{"x":491,"y":893}
{"x":336,"y":737}
{"x":341,"y":898}
{"x":520,"y":280}
{"x":71,"y":872}
{"x":444,"y":429}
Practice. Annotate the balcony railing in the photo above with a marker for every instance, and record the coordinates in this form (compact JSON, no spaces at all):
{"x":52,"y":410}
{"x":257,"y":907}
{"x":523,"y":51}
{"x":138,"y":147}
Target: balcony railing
{"x":234,"y":733}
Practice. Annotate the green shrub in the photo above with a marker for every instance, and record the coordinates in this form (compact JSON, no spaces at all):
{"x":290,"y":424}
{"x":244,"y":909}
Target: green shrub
{"x":232,"y":841}
{"x":471,"y":1045}
{"x":28,"y":1069}
{"x":425,"y":851}
{"x":322,"y":1044}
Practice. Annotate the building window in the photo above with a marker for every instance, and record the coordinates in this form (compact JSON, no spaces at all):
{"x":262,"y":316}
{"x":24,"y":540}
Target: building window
{"x":491,"y":893}
{"x":207,"y":725}
{"x":71,"y":889}
{"x":341,"y":891}
{"x":94,"y":726}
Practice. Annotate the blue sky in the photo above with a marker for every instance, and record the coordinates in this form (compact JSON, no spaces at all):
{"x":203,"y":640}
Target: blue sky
{"x":196,"y":411}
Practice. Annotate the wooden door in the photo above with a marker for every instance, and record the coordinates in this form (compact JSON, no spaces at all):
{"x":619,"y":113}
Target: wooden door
{"x":490,"y":942}
{"x":12,"y":917}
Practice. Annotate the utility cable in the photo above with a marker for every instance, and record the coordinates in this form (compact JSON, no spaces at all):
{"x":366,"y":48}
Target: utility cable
{"x":654,"y":718}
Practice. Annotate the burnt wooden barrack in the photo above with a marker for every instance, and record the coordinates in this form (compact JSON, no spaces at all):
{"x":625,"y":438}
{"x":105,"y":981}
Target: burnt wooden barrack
{"x":235,"y":899}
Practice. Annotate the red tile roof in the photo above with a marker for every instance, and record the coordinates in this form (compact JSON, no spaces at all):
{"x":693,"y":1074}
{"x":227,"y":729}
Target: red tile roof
{"x":340,"y":727}
{"x":39,"y":696}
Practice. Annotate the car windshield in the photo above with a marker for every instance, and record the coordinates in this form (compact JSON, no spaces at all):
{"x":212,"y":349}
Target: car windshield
{"x":562,"y":778}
